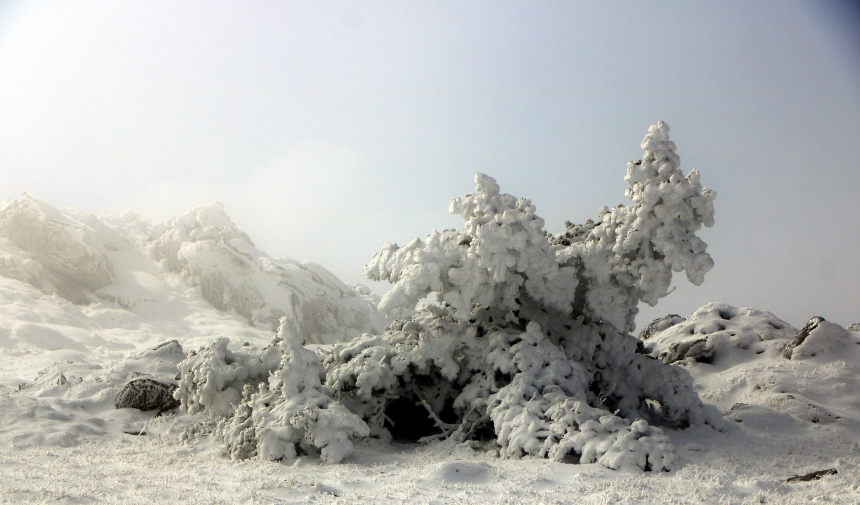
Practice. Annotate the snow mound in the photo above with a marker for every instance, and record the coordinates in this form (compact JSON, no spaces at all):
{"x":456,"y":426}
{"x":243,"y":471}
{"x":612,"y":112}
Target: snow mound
{"x":206,"y":248}
{"x":125,"y":260}
{"x":712,"y":331}
{"x":61,"y":252}
{"x":72,"y":401}
{"x":765,"y":374}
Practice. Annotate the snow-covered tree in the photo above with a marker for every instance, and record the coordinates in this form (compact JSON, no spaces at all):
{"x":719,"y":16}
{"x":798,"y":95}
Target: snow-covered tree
{"x":503,"y":264}
{"x":268,"y":403}
{"x":528,"y":345}
{"x":529,"y":342}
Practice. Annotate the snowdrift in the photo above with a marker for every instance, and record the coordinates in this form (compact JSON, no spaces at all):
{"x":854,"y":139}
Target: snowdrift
{"x":127,"y":261}
{"x":761,"y":371}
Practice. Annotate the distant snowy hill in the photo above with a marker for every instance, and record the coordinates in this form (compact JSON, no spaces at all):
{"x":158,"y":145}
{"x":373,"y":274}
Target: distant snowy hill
{"x":125,"y":261}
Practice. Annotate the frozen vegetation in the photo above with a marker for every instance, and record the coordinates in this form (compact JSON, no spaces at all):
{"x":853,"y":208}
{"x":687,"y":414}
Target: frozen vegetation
{"x":522,"y":363}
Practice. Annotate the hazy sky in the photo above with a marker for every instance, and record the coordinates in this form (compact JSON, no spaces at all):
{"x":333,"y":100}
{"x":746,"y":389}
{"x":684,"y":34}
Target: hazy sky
{"x":330,"y":128}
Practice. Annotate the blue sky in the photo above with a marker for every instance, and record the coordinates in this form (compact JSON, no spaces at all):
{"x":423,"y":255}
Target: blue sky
{"x":330,"y":128}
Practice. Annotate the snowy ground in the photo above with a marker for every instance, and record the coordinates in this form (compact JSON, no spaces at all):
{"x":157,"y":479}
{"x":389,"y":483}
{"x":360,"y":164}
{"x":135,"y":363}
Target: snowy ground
{"x":65,"y":443}
{"x":62,"y":440}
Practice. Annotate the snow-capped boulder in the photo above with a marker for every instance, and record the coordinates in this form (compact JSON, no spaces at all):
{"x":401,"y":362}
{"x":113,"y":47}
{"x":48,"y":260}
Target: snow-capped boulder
{"x":207,"y":249}
{"x":738,"y":358}
{"x":717,"y":328}
{"x":818,"y":336}
{"x":62,"y":252}
{"x":659,"y":325}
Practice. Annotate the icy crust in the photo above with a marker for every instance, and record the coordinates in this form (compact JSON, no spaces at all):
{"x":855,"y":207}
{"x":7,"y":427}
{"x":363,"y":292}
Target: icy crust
{"x":715,"y":329}
{"x":518,"y":385}
{"x":206,"y":248}
{"x":63,"y":253}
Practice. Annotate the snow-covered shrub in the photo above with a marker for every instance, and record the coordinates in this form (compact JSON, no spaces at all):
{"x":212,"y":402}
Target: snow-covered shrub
{"x":290,"y":413}
{"x":529,"y":344}
{"x":543,"y":410}
{"x":213,"y":378}
{"x":629,"y":254}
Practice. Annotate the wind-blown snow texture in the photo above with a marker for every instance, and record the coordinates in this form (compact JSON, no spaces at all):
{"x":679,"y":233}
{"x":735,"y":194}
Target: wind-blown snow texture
{"x":86,"y":309}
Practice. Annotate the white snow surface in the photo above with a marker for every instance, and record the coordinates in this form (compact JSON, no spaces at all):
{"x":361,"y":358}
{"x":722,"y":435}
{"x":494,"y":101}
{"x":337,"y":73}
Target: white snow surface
{"x":62,"y":440}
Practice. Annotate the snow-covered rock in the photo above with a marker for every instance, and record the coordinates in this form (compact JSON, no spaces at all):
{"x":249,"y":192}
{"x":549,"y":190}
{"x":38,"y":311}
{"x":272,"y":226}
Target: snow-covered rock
{"x":715,"y":329}
{"x":57,"y":252}
{"x":126,"y":261}
{"x":738,"y":357}
{"x":207,"y":249}
{"x":817,"y":337}
{"x":147,"y":394}
{"x":659,"y":325}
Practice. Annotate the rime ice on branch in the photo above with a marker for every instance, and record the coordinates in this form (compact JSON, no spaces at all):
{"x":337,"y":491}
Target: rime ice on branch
{"x":503,"y":262}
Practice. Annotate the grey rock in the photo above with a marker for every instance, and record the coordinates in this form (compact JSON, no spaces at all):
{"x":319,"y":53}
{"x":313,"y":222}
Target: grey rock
{"x":147,"y":394}
{"x":699,"y":350}
{"x":658,"y":325}
{"x":811,"y":325}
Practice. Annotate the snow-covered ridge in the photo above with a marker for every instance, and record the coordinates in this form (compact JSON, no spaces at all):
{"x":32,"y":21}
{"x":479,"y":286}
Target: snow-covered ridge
{"x":127,"y":261}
